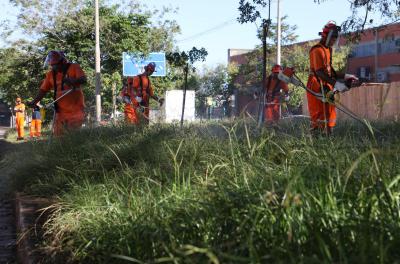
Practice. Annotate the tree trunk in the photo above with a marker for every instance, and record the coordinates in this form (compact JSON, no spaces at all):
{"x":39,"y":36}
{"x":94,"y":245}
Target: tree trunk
{"x":184,"y":94}
{"x":261,"y":102}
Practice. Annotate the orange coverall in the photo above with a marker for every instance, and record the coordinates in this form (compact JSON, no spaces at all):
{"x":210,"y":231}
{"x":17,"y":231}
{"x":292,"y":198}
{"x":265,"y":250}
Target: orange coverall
{"x":138,"y":86}
{"x":130,"y":108}
{"x":36,"y":123}
{"x":20,"y":119}
{"x":323,"y":115}
{"x":273,"y":98}
{"x":70,"y":113}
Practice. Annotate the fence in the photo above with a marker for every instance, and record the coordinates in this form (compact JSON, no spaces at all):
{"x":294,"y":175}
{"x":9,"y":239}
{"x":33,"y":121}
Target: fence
{"x":371,"y":102}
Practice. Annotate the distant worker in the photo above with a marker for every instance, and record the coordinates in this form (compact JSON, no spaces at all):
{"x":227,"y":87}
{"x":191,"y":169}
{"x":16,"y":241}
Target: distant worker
{"x":127,"y":98}
{"x":19,"y":110}
{"x":273,"y":95}
{"x":323,"y":80}
{"x":65,"y":79}
{"x":136,"y":95}
{"x":36,"y":122}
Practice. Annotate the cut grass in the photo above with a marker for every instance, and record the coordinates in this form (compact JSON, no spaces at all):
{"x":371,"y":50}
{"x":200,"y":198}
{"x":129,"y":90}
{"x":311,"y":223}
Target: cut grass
{"x":214,"y":193}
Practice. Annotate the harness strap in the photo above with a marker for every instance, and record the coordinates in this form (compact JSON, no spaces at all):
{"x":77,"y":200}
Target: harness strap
{"x":276,"y":88}
{"x":141,"y":88}
{"x":64,"y":71}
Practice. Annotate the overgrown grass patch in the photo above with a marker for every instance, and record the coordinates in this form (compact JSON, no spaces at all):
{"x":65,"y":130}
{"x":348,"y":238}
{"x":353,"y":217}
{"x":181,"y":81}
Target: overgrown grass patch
{"x":214,"y":193}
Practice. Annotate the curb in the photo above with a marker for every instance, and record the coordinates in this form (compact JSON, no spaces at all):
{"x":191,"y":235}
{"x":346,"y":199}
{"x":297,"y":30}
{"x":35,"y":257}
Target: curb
{"x":29,"y":221}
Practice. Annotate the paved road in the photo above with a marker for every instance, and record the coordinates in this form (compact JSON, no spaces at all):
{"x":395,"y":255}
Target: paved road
{"x":7,"y":220}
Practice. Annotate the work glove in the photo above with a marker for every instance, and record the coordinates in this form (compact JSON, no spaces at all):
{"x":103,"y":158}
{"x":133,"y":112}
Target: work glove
{"x":350,"y":80}
{"x":340,"y":87}
{"x":287,"y":98}
{"x":138,"y":99}
{"x":127,"y":99}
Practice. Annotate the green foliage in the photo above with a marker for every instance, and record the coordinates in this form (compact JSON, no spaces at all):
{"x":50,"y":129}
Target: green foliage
{"x":361,"y":12}
{"x":69,"y":26}
{"x":251,"y":72}
{"x":249,"y":11}
{"x":184,"y":61}
{"x":218,"y":194}
{"x":18,"y":72}
{"x":214,"y":81}
{"x":288,"y":34}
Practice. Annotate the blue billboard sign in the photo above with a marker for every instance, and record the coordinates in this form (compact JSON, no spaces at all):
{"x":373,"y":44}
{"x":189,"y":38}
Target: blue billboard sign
{"x":132,"y":64}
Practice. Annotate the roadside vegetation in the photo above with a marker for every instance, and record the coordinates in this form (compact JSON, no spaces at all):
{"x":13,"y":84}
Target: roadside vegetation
{"x":212,"y":193}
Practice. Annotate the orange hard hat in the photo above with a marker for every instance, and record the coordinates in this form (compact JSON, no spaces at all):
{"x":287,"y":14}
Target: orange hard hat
{"x":55,"y":57}
{"x":150,"y":67}
{"x":276,"y":68}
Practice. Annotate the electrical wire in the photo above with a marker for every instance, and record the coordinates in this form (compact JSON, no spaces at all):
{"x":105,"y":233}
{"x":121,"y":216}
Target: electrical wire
{"x":210,"y":30}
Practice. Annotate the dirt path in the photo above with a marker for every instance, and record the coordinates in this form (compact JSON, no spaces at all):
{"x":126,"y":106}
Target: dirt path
{"x":7,"y":220}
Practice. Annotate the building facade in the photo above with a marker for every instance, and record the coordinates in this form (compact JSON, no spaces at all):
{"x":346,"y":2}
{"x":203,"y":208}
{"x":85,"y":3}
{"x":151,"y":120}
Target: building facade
{"x":376,"y":57}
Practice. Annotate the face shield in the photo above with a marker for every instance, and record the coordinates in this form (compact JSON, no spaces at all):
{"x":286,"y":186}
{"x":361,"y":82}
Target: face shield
{"x":54,"y":59}
{"x":333,"y":36}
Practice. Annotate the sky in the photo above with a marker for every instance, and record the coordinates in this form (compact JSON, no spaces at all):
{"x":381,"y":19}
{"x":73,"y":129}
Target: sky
{"x":212,"y":24}
{"x":204,"y":16}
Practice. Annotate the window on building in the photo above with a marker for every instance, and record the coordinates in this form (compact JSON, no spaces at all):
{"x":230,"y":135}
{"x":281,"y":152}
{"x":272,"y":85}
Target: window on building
{"x":364,"y":72}
{"x":364,"y":50}
{"x":388,"y":47}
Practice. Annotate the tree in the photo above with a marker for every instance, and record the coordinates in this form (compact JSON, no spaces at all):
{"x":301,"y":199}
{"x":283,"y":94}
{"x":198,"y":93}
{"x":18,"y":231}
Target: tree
{"x":249,"y":13}
{"x":252,"y":71}
{"x":185,"y":61}
{"x":362,"y":10}
{"x":69,"y":26}
{"x":18,"y":72}
{"x":216,"y":82}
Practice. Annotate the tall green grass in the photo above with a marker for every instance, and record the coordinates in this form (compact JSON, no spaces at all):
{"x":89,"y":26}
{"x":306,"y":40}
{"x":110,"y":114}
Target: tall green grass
{"x":215,"y":193}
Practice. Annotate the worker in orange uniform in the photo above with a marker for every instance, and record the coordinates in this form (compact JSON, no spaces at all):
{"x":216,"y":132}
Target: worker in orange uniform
{"x":136,"y":95}
{"x":127,"y":97}
{"x":273,"y":90}
{"x":36,"y":122}
{"x":323,"y":80}
{"x":65,"y":79}
{"x":19,"y":110}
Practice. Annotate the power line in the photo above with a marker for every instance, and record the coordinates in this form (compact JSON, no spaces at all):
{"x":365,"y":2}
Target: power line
{"x":219,"y":26}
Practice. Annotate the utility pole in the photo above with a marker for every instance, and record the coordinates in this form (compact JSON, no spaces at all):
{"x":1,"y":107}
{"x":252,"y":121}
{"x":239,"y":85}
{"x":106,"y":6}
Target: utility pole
{"x":376,"y":54}
{"x":98,"y":79}
{"x":278,"y":34}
